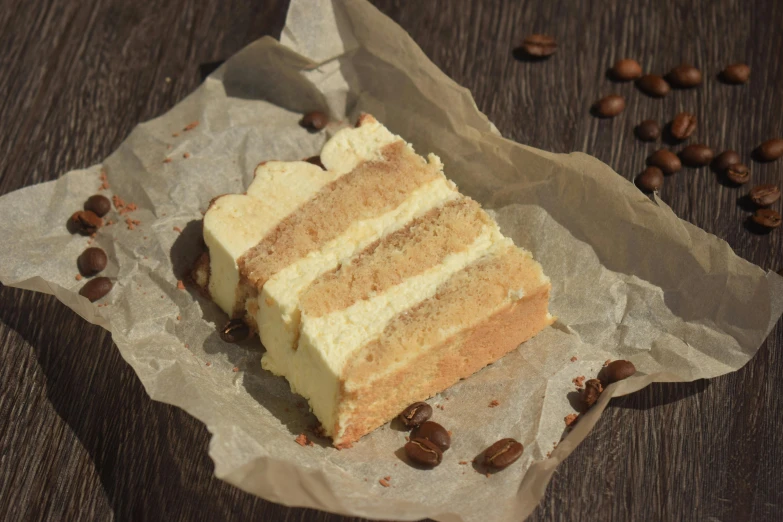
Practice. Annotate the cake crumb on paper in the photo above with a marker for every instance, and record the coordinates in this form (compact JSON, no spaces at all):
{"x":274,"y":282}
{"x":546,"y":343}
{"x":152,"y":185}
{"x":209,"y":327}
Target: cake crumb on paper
{"x":177,"y":230}
{"x":209,"y":363}
{"x":570,"y":419}
{"x":384,"y":483}
{"x":235,"y":369}
{"x":494,"y":403}
{"x":179,"y":318}
{"x":463,"y":462}
{"x":574,"y":358}
{"x":186,"y":155}
{"x":78,"y":277}
{"x":104,"y":180}
{"x":579,"y":382}
{"x":302,"y":440}
{"x":167,"y":160}
{"x":180,"y":284}
{"x":190,"y":126}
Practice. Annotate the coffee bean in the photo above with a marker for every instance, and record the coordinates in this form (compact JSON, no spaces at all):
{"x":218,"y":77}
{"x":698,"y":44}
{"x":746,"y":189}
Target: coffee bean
{"x":696,"y":155}
{"x":235,"y":331}
{"x":735,"y":73}
{"x":725,"y":159}
{"x":770,"y":150}
{"x":424,"y":452}
{"x":85,"y":222}
{"x":433,"y":432}
{"x":415,"y":414}
{"x":738,"y":174}
{"x":96,"y":288}
{"x":684,"y":76}
{"x":315,"y":120}
{"x":592,"y":391}
{"x":766,"y":217}
{"x":650,"y":180}
{"x":100,"y":205}
{"x":648,"y":130}
{"x":610,"y":106}
{"x":616,"y":371}
{"x":653,"y":85}
{"x":665,"y":160}
{"x":764,"y":195}
{"x":539,"y":45}
{"x":91,"y":261}
{"x":626,"y":70}
{"x":683,"y":125}
{"x":503,"y":453}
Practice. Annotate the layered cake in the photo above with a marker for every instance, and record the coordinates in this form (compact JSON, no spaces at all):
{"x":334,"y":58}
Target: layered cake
{"x":371,"y":281}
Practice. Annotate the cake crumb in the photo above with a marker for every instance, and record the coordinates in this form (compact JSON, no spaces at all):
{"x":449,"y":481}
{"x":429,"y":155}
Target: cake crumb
{"x":384,"y":482}
{"x":494,"y":403}
{"x":179,"y":318}
{"x":606,"y":362}
{"x":235,"y":369}
{"x":132,"y":223}
{"x":180,"y":284}
{"x":190,"y":126}
{"x":574,"y":358}
{"x":548,"y":454}
{"x":167,"y":160}
{"x":78,"y":277}
{"x":302,"y":440}
{"x":209,"y":363}
{"x":570,"y":419}
{"x":463,"y":462}
{"x":186,"y":155}
{"x":579,"y":382}
{"x":104,"y":180}
{"x":177,"y":230}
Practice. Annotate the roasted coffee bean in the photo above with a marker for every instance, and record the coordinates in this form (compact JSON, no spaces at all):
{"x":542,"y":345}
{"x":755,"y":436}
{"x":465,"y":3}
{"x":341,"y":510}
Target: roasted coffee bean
{"x":539,"y":45}
{"x":770,"y":150}
{"x":235,"y":331}
{"x":91,"y":261}
{"x":85,"y":222}
{"x":650,"y":180}
{"x":735,"y":73}
{"x":648,"y":130}
{"x":96,"y":288}
{"x":315,"y":120}
{"x":503,"y":453}
{"x":592,"y":391}
{"x":764,"y":195}
{"x":626,"y":70}
{"x":616,"y":371}
{"x":766,"y":217}
{"x":665,"y":160}
{"x":653,"y":85}
{"x":415,"y":414}
{"x":738,"y":174}
{"x":100,"y":205}
{"x":424,"y":452}
{"x":433,"y":432}
{"x":684,"y":76}
{"x":696,"y":155}
{"x":610,"y":106}
{"x":683,"y":125}
{"x":725,"y":159}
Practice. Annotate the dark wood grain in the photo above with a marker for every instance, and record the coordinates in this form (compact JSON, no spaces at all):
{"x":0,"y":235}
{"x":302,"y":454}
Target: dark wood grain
{"x":79,"y":438}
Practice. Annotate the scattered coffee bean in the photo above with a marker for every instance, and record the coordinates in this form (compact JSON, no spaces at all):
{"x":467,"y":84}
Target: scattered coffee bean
{"x":433,"y":432}
{"x":665,"y":160}
{"x":503,"y":453}
{"x":539,"y":45}
{"x":738,"y":174}
{"x":424,"y":452}
{"x":766,"y":217}
{"x":683,"y":125}
{"x":650,"y":180}
{"x":415,"y":414}
{"x":85,"y":222}
{"x":96,"y":288}
{"x":764,"y":195}
{"x":653,"y":85}
{"x":648,"y":130}
{"x":696,"y":155}
{"x":626,"y":70}
{"x":91,"y":261}
{"x":592,"y":391}
{"x":684,"y":76}
{"x":735,"y":73}
{"x":770,"y":150}
{"x":315,"y":120}
{"x":726,"y":159}
{"x":235,"y":331}
{"x":616,"y":371}
{"x":610,"y":106}
{"x":98,"y":204}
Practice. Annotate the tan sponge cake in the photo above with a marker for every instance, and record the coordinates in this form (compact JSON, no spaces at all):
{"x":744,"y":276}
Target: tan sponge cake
{"x":372,"y":282}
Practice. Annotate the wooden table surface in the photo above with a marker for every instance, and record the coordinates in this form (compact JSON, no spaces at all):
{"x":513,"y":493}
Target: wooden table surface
{"x":80,"y":439}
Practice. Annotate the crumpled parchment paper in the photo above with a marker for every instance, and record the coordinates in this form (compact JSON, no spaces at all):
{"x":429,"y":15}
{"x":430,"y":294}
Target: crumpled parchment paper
{"x":630,"y":279}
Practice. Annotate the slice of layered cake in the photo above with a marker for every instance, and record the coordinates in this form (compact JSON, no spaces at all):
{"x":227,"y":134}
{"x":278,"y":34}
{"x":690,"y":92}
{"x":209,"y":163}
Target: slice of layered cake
{"x":372,"y":282}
